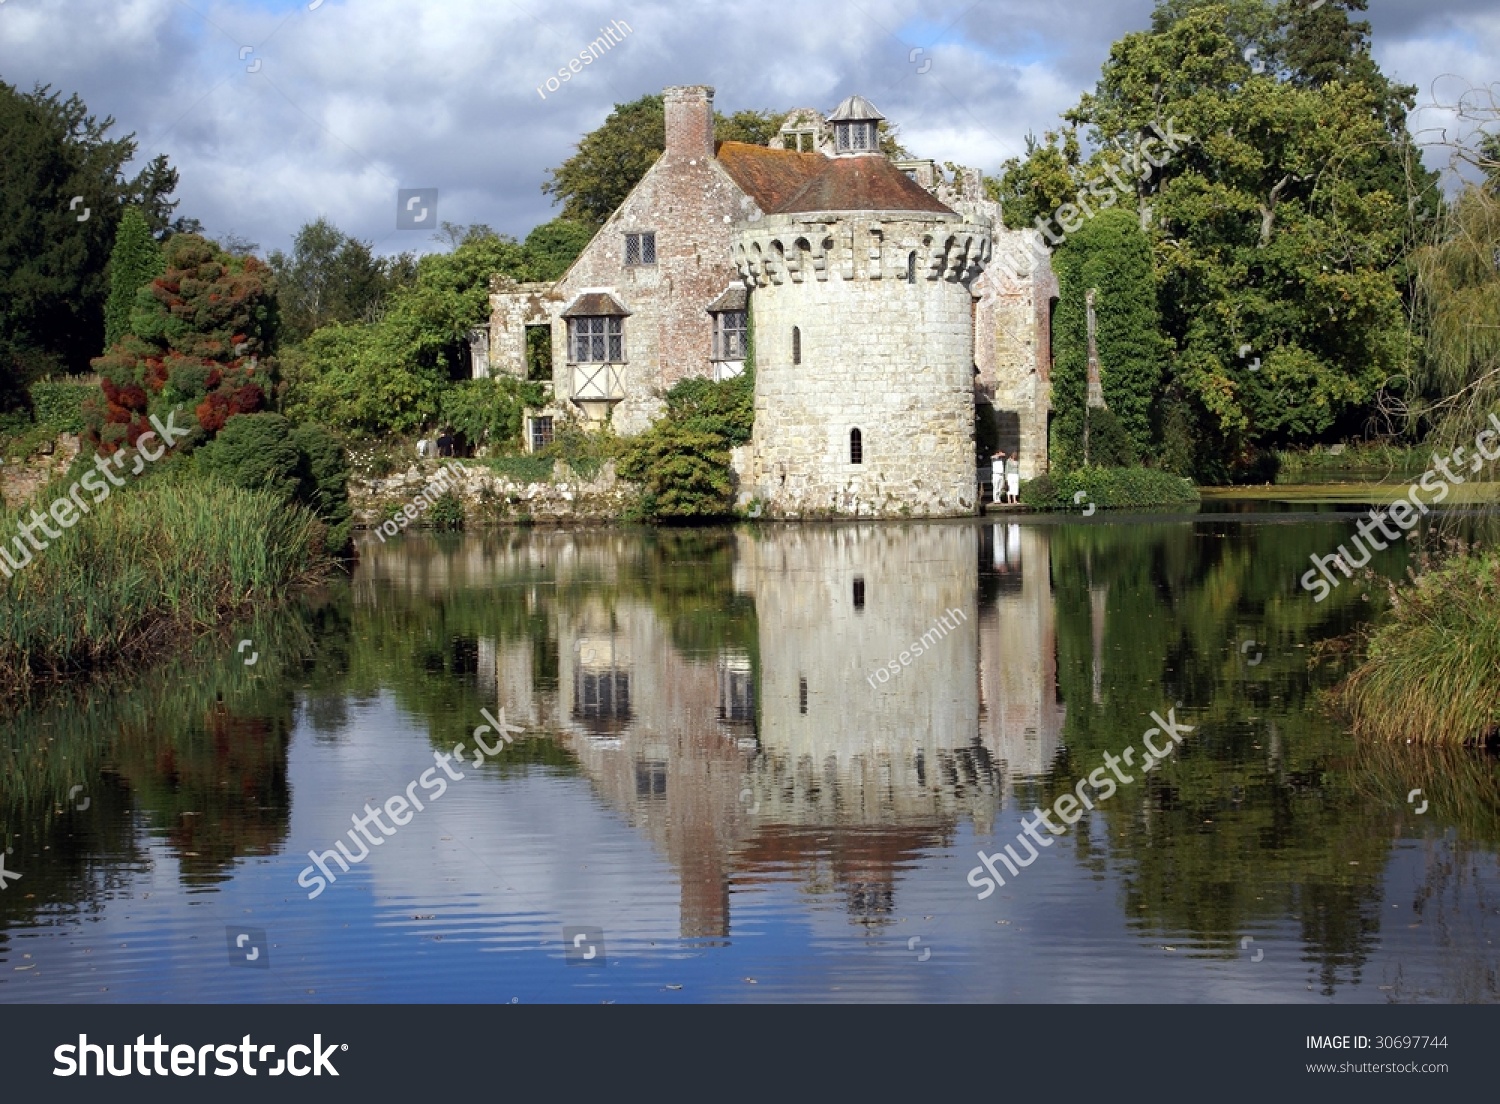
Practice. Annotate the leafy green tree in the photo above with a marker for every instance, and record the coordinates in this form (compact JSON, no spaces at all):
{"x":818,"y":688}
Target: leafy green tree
{"x":1458,"y":300}
{"x":611,"y":159}
{"x":62,"y":191}
{"x":1279,"y":223}
{"x":356,"y":378}
{"x":430,"y":320}
{"x":553,"y":246}
{"x":135,"y":261}
{"x":328,"y":277}
{"x":1111,"y":255}
{"x":753,"y":127}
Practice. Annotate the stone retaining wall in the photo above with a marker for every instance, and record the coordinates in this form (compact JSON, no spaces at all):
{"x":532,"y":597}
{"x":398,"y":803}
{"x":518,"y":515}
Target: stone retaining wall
{"x":491,"y":498}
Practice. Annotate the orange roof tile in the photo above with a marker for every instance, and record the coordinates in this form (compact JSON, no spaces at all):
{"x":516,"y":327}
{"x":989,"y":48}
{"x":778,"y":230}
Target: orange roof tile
{"x":768,"y":176}
{"x":861,"y":184}
{"x":786,"y":182}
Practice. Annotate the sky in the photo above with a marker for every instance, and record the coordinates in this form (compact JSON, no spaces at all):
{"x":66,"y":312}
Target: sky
{"x":277,"y":112}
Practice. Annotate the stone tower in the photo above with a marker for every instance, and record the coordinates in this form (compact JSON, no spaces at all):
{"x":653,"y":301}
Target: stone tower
{"x":863,"y":331}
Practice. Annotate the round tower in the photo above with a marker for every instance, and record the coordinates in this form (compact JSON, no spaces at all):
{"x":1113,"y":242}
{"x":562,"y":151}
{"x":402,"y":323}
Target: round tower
{"x":864,"y":340}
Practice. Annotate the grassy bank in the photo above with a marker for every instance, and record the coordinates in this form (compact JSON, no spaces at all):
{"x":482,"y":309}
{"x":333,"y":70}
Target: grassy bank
{"x":1428,"y":674}
{"x":149,"y":565}
{"x":1358,"y":462}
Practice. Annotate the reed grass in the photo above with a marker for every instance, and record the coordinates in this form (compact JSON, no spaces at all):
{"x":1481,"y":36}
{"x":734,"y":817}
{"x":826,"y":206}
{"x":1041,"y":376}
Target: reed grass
{"x":150,"y":564}
{"x":1429,"y":672}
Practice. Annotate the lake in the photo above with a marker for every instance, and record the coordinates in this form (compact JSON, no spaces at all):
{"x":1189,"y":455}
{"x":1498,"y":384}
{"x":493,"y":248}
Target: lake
{"x":758,"y":764}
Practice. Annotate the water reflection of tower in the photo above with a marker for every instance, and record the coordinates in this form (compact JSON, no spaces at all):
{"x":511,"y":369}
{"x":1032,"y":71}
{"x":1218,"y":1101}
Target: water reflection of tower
{"x":1021,"y":717}
{"x":855,"y":774}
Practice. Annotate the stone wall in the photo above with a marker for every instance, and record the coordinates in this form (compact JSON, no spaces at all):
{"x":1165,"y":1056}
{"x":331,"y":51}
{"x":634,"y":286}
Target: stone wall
{"x":890,"y":357}
{"x":489,"y":497}
{"x":691,"y":203}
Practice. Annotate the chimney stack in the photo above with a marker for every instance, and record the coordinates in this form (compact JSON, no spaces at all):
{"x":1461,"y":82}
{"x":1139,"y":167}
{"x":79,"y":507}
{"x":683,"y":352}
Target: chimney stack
{"x":690,"y":120}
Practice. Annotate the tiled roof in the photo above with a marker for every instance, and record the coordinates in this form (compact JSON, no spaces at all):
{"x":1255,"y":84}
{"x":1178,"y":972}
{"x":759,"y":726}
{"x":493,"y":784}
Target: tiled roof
{"x":594,"y":303}
{"x":784,"y":182}
{"x":734,"y":299}
{"x":770,"y":177}
{"x":861,"y":184}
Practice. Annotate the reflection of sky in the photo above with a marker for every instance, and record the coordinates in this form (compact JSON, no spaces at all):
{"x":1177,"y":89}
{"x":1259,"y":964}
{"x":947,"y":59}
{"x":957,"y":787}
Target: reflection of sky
{"x":467,"y":902}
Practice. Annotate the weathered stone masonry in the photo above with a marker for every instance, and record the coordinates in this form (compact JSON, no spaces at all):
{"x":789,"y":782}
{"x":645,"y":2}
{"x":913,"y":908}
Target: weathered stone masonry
{"x":884,"y":270}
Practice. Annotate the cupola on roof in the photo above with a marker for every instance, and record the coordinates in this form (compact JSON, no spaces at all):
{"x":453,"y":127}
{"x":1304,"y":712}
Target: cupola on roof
{"x":855,"y":109}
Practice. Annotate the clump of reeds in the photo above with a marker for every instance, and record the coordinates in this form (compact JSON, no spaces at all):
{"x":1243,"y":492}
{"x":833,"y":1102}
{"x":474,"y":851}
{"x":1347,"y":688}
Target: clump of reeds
{"x":147,"y":566}
{"x":1429,"y":673}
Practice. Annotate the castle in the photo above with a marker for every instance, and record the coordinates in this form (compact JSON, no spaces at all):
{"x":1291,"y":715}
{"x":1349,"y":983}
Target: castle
{"x":887,"y":307}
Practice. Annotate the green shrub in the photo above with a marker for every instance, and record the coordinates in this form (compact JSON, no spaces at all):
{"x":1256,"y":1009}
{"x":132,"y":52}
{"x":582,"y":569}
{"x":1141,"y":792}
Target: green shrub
{"x":1108,"y":489}
{"x":489,"y":411}
{"x":324,"y":481}
{"x":725,"y":409}
{"x":256,"y":452}
{"x":302,"y":464}
{"x":683,"y":472}
{"x":447,"y":512}
{"x":525,"y":468}
{"x":1428,"y":673}
{"x":584,"y":451}
{"x":57,"y":405}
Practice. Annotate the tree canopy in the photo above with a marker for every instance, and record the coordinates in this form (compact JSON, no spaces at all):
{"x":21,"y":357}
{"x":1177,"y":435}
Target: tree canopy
{"x":329,"y":277}
{"x":62,"y":192}
{"x":1279,"y":229}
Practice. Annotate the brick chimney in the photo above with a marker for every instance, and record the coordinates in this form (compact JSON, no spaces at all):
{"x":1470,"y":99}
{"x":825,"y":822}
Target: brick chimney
{"x":690,"y":120}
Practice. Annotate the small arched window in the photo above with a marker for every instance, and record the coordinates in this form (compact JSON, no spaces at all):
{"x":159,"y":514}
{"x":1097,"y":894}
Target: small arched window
{"x":911,"y":267}
{"x":859,"y":592}
{"x":796,"y":345}
{"x":856,"y":447}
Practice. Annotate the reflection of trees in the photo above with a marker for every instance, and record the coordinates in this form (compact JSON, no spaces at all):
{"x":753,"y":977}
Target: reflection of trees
{"x":197,"y":747}
{"x":1252,"y":820}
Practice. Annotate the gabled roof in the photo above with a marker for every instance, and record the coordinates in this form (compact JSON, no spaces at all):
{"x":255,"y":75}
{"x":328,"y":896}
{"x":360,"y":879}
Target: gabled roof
{"x":768,"y":176}
{"x":595,"y":303}
{"x":786,"y":182}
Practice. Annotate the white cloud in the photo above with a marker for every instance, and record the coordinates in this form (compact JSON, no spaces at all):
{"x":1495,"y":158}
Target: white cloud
{"x":353,"y":101}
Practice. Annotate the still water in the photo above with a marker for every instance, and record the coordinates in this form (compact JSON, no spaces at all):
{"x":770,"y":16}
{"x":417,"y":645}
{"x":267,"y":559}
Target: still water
{"x":715,"y":797}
